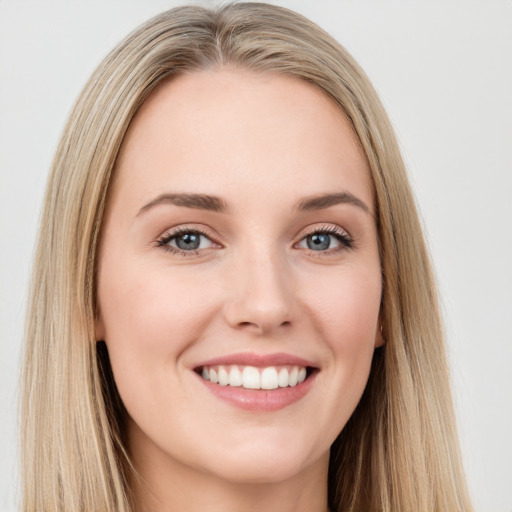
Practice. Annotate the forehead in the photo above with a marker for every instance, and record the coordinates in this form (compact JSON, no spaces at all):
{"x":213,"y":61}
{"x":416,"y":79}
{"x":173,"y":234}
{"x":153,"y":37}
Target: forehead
{"x":228,"y":129}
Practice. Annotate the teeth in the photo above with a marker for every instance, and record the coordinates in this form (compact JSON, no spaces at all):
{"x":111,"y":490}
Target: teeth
{"x":235,"y":377}
{"x":269,"y":379}
{"x":251,"y":377}
{"x":213,"y":376}
{"x":282,"y":378}
{"x":223,"y":377}
{"x":292,"y":379}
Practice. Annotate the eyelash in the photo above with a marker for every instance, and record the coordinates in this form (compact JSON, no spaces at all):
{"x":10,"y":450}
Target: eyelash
{"x":345,"y":240}
{"x":164,"y":240}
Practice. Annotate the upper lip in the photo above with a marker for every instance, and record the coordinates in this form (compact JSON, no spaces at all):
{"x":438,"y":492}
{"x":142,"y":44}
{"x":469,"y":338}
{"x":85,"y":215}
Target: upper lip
{"x":258,"y":360}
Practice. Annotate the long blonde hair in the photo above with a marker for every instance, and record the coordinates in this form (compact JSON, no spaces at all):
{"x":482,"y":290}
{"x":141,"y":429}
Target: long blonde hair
{"x":398,"y":452}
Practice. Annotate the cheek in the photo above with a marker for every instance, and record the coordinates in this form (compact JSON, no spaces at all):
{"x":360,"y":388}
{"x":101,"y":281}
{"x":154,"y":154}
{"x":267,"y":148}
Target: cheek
{"x":346,"y":311}
{"x":149,"y":320}
{"x":144,"y":308}
{"x":345,"y":306}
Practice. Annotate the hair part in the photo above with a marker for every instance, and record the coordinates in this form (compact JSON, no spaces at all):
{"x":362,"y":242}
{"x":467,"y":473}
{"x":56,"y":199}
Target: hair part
{"x":399,"y":450}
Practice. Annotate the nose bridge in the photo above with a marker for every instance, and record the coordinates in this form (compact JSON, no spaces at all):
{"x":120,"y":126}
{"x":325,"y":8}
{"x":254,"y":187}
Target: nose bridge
{"x":262,"y":288}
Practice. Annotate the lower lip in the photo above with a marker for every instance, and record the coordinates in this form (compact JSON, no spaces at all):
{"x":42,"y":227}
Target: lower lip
{"x":260,"y":399}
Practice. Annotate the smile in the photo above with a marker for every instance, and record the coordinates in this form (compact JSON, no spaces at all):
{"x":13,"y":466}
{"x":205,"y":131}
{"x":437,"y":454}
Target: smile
{"x":258,"y":382}
{"x":251,"y":377}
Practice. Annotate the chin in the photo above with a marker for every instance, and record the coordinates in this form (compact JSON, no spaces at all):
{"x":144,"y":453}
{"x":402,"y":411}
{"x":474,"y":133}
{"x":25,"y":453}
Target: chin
{"x":271,"y":460}
{"x":261,"y":470}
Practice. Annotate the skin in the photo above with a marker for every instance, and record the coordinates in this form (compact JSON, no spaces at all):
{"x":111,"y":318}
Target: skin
{"x":261,"y":143}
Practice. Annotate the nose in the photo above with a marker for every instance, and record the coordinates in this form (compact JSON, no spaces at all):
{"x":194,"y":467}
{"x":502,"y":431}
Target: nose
{"x":261,"y":294}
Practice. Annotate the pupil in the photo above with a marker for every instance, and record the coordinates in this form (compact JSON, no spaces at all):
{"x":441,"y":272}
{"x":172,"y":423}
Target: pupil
{"x":318,"y":242}
{"x":188,"y":241}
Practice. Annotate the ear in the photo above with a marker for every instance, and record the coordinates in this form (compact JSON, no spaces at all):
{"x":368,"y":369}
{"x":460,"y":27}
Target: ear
{"x":99,"y":328}
{"x":379,"y":336}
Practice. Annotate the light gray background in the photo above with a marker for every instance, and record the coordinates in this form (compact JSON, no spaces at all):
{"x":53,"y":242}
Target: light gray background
{"x":443,"y":69}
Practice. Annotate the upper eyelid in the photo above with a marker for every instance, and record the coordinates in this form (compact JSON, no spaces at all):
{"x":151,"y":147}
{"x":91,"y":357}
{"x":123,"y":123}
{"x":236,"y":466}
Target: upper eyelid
{"x":174,"y":231}
{"x":326,"y":229}
{"x":177,"y":230}
{"x":331,"y":229}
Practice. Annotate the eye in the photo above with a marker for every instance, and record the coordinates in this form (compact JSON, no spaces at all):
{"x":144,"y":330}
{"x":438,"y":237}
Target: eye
{"x":185,"y":241}
{"x":326,"y":240}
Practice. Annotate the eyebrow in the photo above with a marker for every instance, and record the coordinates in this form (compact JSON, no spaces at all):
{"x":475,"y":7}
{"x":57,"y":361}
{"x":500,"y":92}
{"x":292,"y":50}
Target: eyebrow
{"x":217,"y":204}
{"x":322,"y":201}
{"x":196,"y":201}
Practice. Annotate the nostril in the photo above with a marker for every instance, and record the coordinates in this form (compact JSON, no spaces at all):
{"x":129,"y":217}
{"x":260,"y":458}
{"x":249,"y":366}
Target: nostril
{"x":262,"y":326}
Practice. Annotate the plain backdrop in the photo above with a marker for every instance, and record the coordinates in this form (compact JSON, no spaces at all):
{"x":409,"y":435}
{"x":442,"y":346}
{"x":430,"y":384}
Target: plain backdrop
{"x":443,"y":69}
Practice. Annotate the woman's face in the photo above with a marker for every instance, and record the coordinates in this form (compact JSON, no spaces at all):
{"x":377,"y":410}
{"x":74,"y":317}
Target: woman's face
{"x":239,"y":245}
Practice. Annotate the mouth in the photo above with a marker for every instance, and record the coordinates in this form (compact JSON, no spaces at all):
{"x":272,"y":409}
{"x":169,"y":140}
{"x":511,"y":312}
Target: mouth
{"x":258,"y":382}
{"x":255,"y":377}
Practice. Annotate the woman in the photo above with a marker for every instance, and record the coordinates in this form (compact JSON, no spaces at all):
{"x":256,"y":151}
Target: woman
{"x":231,"y":291}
